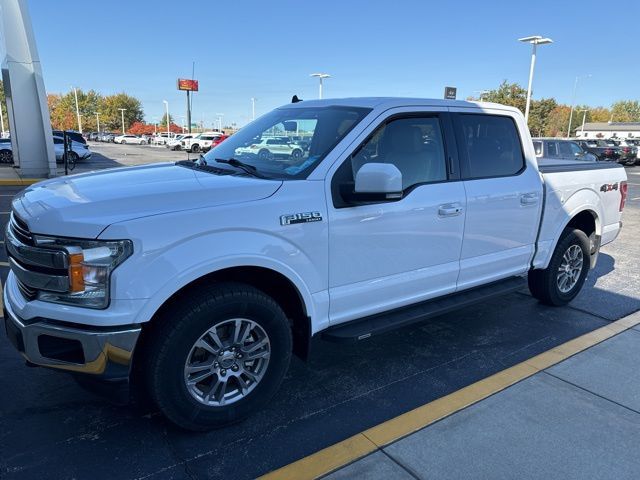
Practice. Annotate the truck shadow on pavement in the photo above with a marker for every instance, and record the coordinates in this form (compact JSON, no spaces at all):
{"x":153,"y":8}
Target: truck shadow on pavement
{"x":51,"y":427}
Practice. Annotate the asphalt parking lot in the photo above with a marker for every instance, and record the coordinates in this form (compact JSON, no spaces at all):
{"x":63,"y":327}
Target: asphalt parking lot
{"x":51,"y":428}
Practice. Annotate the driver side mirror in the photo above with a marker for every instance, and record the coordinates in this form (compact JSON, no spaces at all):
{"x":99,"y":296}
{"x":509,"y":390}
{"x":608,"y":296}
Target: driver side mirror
{"x":378,"y":182}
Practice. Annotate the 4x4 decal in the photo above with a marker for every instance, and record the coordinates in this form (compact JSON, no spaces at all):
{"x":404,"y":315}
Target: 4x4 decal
{"x":607,"y":187}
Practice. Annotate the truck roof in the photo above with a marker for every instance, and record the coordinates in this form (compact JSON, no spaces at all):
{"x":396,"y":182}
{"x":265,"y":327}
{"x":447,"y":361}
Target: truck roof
{"x":391,"y":102}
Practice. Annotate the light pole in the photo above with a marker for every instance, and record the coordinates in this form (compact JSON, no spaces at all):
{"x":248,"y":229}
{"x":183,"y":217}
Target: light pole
{"x":75,"y":93}
{"x":584,"y":117}
{"x":253,"y":108}
{"x":220,"y":115}
{"x":166,"y":105}
{"x":122,"y":110}
{"x":534,"y":40}
{"x":573,"y":101}
{"x":98,"y":121}
{"x":482,"y":93}
{"x":320,"y":76}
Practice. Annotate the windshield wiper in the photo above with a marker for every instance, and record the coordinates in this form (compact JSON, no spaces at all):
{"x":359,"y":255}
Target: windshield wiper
{"x":234,"y":162}
{"x":194,"y":165}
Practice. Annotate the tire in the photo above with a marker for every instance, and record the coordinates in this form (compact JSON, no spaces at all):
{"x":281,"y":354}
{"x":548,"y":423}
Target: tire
{"x":72,"y":159}
{"x":264,"y":154}
{"x":195,"y":148}
{"x":549,"y":285}
{"x":123,"y":142}
{"x":296,"y":154}
{"x":143,"y":142}
{"x":171,"y":349}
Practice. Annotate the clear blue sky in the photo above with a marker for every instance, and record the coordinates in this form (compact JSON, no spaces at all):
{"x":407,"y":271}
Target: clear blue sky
{"x":267,"y":49}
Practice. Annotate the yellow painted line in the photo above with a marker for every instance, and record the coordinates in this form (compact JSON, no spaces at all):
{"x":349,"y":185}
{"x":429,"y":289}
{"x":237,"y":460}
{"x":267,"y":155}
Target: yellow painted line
{"x":348,"y":451}
{"x":18,"y":182}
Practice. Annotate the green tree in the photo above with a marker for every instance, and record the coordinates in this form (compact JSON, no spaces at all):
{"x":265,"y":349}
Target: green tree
{"x":539,"y":116}
{"x":163,"y":120}
{"x":3,"y":105}
{"x":110,"y":114}
{"x":626,"y":111}
{"x":62,"y":109}
{"x":510,"y":94}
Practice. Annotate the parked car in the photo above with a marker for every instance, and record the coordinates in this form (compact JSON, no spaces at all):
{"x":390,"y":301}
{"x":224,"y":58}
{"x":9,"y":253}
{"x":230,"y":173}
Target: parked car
{"x":75,"y":136}
{"x":629,"y":151}
{"x":217,"y":140}
{"x":163,"y":137}
{"x":129,"y":138}
{"x":377,"y":230}
{"x":201,"y":142}
{"x":556,"y":151}
{"x":6,"y":151}
{"x":79,"y":151}
{"x":601,"y":150}
{"x":273,"y":147}
{"x":176,"y":143}
{"x":635,"y":143}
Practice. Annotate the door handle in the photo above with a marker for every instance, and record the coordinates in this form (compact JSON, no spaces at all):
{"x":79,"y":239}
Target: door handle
{"x":529,"y":199}
{"x":449,"y":210}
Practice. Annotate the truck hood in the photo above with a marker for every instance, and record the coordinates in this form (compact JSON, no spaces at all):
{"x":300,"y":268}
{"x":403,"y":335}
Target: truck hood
{"x":84,"y":205}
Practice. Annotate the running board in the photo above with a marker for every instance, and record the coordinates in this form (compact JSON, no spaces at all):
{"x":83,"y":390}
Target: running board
{"x":383,"y":322}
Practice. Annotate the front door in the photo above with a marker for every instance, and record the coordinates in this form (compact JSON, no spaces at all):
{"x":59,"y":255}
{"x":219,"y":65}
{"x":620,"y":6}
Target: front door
{"x":386,"y":254}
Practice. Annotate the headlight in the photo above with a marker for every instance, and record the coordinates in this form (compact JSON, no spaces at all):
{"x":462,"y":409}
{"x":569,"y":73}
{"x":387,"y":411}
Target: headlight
{"x":90,"y":265}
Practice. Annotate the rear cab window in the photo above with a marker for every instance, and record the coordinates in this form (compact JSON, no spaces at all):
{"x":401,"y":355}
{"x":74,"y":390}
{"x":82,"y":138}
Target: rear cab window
{"x":489,"y":145}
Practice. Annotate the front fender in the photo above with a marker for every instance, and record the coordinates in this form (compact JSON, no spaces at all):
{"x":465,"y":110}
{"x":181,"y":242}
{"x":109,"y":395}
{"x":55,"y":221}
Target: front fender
{"x":156,"y":275}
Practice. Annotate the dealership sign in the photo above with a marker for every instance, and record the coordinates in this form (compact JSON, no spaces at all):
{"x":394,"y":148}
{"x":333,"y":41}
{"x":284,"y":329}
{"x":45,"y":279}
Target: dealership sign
{"x":188,"y":85}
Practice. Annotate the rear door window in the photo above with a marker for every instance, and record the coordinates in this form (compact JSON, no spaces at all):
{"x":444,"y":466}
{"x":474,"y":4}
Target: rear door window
{"x":490,"y":146}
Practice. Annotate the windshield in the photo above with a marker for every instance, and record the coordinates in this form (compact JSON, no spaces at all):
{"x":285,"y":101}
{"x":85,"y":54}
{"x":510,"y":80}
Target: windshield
{"x":268,"y":143}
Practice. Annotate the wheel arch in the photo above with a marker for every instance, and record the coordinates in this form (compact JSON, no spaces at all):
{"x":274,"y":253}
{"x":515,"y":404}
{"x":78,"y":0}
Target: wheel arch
{"x":292,"y":298}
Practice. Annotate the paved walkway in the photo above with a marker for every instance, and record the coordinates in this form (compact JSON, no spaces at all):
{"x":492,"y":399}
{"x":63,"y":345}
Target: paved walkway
{"x":579,"y":419}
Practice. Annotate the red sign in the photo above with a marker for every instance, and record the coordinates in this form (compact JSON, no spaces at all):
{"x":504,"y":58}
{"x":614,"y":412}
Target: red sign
{"x":186,"y":84}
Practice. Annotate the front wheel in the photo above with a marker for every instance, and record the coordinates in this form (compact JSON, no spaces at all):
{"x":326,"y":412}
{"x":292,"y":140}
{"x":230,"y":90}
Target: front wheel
{"x":123,"y":142}
{"x":218,"y":356}
{"x":195,"y":148}
{"x":563,"y":279}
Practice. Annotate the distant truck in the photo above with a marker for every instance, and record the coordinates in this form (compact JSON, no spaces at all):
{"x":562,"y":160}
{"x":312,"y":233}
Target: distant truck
{"x":198,"y":280}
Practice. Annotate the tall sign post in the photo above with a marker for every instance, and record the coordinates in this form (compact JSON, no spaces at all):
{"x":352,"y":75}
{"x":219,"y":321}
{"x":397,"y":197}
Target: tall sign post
{"x":188,"y":85}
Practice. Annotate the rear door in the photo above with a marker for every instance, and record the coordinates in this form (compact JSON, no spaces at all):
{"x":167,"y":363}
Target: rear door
{"x":503,"y":197}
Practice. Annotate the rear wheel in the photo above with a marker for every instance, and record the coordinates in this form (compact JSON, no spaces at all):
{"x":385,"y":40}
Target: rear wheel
{"x":123,"y":142}
{"x":264,"y":154}
{"x":218,"y":356}
{"x":195,"y":148}
{"x":563,"y":279}
{"x":72,"y":159}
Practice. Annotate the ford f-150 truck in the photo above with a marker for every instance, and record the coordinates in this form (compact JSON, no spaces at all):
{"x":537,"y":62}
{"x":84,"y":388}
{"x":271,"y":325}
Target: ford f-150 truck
{"x":197,"y":280}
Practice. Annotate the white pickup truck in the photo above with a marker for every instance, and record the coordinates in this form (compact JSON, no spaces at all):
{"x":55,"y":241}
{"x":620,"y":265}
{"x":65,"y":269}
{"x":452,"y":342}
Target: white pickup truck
{"x":197,"y":280}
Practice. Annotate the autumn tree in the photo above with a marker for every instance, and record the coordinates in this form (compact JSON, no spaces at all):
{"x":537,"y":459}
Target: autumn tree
{"x":539,"y":116}
{"x":626,"y":111}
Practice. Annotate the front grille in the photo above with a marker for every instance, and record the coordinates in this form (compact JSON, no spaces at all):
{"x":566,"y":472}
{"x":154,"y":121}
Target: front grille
{"x":20,"y":229}
{"x":28,"y":293}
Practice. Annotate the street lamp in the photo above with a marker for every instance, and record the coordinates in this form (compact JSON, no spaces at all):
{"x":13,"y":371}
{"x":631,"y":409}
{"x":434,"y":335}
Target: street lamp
{"x":320,"y":76}
{"x":98,"y":121}
{"x":75,"y":92}
{"x":122,"y":110}
{"x":253,"y":109}
{"x":584,"y":117}
{"x":166,"y":104}
{"x":573,"y":101}
{"x":220,"y":115}
{"x":534,"y":40}
{"x":482,"y":93}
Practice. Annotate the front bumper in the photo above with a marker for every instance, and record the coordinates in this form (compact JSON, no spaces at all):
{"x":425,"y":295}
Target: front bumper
{"x":104,"y":353}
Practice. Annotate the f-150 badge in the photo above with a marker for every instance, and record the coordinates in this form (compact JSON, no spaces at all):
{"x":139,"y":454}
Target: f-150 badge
{"x":305,"y":217}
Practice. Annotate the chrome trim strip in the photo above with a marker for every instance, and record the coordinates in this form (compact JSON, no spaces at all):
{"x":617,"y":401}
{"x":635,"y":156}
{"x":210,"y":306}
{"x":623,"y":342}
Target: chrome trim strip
{"x":40,"y":281}
{"x":38,"y":257}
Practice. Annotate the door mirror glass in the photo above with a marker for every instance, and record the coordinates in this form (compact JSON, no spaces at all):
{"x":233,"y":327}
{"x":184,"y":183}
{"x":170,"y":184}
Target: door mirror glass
{"x":379,"y":178}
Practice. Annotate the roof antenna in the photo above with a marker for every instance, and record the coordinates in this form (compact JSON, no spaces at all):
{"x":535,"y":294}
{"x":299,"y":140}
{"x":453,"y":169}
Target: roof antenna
{"x":295,"y":99}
